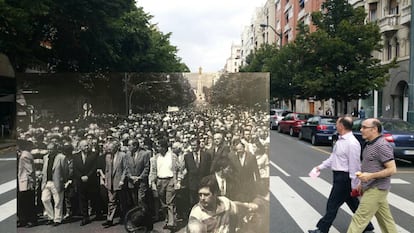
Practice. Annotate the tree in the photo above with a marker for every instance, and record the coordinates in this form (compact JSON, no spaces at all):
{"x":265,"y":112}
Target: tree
{"x":84,"y":36}
{"x":337,"y":59}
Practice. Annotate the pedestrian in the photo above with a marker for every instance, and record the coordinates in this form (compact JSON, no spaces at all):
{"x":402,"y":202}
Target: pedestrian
{"x":344,"y":162}
{"x":378,"y":165}
{"x":362,"y":113}
{"x":26,"y":211}
{"x":214,"y":211}
{"x":320,"y":111}
{"x":54,"y":175}
{"x":328,"y":112}
{"x":355,"y":112}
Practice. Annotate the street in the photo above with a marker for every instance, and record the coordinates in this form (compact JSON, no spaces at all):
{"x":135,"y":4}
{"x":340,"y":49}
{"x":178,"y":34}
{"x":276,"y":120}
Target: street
{"x":297,"y":201}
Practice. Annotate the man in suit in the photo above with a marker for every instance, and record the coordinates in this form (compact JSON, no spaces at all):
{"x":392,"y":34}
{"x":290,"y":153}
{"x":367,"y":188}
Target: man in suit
{"x":223,"y":175}
{"x":85,"y":179}
{"x":115,"y":172}
{"x":198,"y":163}
{"x":26,"y":185}
{"x":218,"y":149}
{"x":139,"y":176}
{"x":246,"y":172}
{"x":54,"y":175}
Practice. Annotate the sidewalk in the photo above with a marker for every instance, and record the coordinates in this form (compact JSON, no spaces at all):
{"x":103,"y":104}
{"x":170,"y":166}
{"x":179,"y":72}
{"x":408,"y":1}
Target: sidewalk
{"x":7,"y":143}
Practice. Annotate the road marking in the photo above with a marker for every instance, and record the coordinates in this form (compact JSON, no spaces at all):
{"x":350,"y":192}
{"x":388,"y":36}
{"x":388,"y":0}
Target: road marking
{"x":8,"y":209}
{"x":8,"y":186}
{"x":320,"y":150}
{"x":324,"y":188}
{"x":398,"y":181}
{"x":295,"y":205}
{"x":7,"y":159}
{"x":279,"y":168}
{"x":401,"y":203}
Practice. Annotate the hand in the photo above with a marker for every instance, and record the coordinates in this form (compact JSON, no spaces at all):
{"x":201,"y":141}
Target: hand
{"x":363,"y":176}
{"x":177,"y":185}
{"x":252,"y":206}
{"x":84,"y":178}
{"x":121,"y":183}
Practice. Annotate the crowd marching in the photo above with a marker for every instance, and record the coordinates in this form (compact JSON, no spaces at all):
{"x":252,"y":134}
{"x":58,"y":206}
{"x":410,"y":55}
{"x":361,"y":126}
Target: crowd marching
{"x":105,"y":165}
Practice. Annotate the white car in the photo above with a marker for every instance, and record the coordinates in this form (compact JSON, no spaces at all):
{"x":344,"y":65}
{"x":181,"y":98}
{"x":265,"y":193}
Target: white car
{"x":276,"y":115}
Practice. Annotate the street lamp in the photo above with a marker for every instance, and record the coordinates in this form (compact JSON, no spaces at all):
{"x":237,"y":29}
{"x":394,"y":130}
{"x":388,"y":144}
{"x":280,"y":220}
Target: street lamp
{"x":137,"y":86}
{"x":263,"y":25}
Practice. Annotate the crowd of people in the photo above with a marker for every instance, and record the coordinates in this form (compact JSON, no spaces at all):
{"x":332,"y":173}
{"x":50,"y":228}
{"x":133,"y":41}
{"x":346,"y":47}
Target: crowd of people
{"x":175,"y":166}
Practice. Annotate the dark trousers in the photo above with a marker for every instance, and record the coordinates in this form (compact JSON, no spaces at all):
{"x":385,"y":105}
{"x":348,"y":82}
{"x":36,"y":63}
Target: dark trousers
{"x":87,"y":192}
{"x":26,"y":207}
{"x":340,"y":194}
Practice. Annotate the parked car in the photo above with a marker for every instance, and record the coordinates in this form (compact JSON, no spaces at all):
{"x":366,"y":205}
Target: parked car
{"x":293,"y":122}
{"x":277,"y":115}
{"x":318,"y":129}
{"x":399,"y":133}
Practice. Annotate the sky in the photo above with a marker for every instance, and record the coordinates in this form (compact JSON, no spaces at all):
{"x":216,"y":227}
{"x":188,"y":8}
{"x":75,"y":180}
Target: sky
{"x":202,"y":31}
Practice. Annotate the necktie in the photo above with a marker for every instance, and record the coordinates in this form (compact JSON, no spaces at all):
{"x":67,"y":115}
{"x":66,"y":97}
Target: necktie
{"x":222,"y":188}
{"x":198,"y":159}
{"x":83,"y":158}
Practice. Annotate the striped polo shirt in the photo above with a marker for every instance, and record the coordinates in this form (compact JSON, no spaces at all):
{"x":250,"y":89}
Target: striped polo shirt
{"x":375,"y":154}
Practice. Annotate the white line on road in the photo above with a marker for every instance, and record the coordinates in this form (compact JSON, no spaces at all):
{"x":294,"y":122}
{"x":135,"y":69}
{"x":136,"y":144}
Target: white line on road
{"x":8,"y":186}
{"x":398,"y":181}
{"x":324,"y":188}
{"x":7,"y":159}
{"x":7,"y":209}
{"x":279,"y":168}
{"x":299,"y":209}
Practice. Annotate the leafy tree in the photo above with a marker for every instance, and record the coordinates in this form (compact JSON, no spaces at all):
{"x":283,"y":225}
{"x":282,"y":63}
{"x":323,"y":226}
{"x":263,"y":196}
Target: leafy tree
{"x":84,"y":36}
{"x":337,"y":59}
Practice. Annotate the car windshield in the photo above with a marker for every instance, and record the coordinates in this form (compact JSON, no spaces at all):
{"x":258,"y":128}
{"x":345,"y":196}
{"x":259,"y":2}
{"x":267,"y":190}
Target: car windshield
{"x":328,"y":121}
{"x":398,"y":126}
{"x":304,"y":116}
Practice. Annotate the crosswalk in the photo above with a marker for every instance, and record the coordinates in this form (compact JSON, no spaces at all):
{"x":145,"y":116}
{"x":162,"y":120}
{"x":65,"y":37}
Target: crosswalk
{"x":9,"y":207}
{"x":306,"y":216}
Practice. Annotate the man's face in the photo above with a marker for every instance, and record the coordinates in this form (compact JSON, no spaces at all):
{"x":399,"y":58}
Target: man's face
{"x":367,"y":130}
{"x":239,"y":149}
{"x":84,"y":146}
{"x":217,"y":139}
{"x":206,"y":197}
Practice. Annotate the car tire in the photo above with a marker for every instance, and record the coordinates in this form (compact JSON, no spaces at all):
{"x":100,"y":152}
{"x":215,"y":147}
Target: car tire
{"x":300,"y":136}
{"x":314,"y":141}
{"x":291,"y":132}
{"x":279,"y":129}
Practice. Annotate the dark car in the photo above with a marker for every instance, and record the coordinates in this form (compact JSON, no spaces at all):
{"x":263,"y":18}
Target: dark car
{"x":399,"y":133}
{"x":318,"y":129}
{"x":292,"y":123}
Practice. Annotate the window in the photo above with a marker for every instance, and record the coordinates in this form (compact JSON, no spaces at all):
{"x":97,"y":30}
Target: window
{"x":373,"y":11}
{"x":302,"y":4}
{"x":397,"y":49}
{"x":389,"y":51}
{"x":393,"y":7}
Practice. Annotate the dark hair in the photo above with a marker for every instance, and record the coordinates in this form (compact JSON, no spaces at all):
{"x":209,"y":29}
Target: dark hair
{"x":346,"y":122}
{"x":221,"y":163}
{"x":209,"y":182}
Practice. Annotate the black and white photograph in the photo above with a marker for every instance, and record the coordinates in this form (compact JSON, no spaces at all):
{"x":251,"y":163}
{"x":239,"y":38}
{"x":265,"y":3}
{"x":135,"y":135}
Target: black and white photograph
{"x":143,"y":152}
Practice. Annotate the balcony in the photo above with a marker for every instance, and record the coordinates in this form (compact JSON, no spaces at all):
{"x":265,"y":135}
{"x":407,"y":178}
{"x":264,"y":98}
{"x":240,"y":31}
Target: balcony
{"x":287,"y":7}
{"x":389,"y":23}
{"x":301,"y":14}
{"x":405,"y":13}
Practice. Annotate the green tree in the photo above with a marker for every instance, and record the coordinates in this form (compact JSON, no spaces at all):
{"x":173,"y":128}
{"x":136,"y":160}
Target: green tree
{"x":337,"y":60}
{"x":84,"y":36}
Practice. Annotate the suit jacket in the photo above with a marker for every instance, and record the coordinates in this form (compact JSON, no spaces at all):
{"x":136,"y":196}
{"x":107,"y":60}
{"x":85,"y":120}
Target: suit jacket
{"x":88,"y":169}
{"x":60,"y":171}
{"x":231,"y":186}
{"x":194,"y":173}
{"x":117,"y":171}
{"x":142,"y":164}
{"x":222,"y":150}
{"x":247,"y":176}
{"x":26,"y":174}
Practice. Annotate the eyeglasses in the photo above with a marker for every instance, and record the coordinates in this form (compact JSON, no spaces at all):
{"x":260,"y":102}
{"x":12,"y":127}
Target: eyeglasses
{"x":367,"y":127}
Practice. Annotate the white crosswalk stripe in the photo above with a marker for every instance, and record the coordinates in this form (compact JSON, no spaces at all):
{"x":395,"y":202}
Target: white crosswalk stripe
{"x":8,"y":208}
{"x":304,"y":214}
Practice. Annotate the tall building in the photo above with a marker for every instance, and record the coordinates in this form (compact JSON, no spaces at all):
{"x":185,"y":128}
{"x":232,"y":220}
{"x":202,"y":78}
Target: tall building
{"x":234,"y":61}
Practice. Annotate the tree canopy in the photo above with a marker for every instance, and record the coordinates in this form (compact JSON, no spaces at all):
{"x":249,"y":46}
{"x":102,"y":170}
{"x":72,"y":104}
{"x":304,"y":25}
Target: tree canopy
{"x":84,"y":36}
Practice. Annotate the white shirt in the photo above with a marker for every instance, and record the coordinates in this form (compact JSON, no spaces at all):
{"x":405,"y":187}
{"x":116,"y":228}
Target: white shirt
{"x":164,"y":166}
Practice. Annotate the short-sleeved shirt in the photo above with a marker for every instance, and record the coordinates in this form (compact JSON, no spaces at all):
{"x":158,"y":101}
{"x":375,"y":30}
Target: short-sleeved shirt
{"x":218,"y":221}
{"x":375,"y":154}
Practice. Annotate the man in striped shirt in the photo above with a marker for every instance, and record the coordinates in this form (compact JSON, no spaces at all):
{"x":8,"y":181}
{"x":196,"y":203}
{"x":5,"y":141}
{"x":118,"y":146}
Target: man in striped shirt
{"x":377,"y":167}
